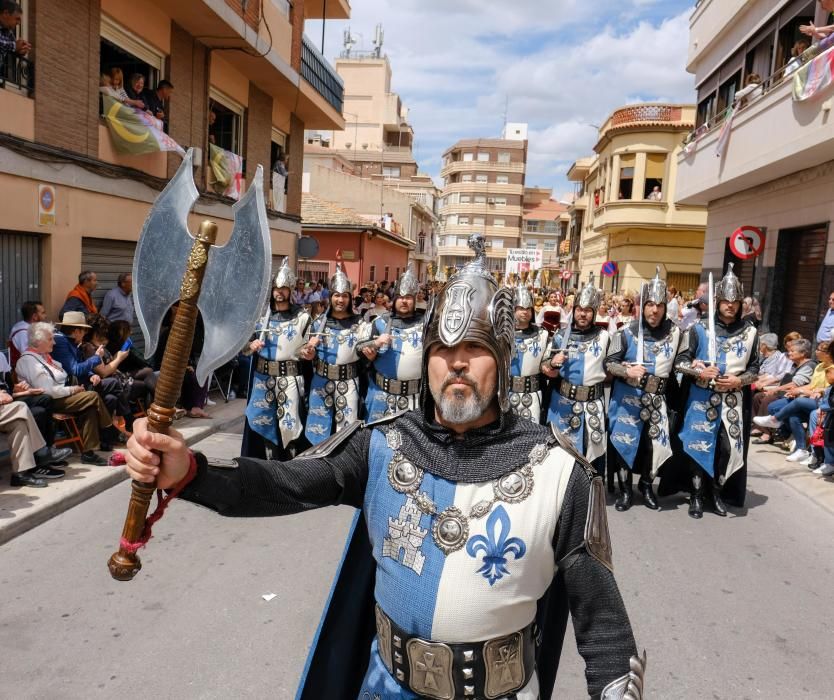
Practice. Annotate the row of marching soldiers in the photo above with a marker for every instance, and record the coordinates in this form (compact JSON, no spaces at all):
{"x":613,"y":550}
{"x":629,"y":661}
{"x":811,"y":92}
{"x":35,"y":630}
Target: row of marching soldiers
{"x":670,"y":407}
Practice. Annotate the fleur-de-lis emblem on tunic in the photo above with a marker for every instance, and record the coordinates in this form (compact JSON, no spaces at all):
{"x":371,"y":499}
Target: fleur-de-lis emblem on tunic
{"x":290,"y":332}
{"x":496,"y":546}
{"x":739,"y":348}
{"x":596,"y":348}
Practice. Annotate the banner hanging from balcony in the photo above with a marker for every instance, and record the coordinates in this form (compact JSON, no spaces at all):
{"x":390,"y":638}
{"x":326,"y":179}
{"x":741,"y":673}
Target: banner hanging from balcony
{"x":227,"y":168}
{"x":814,"y":77}
{"x":134,"y":131}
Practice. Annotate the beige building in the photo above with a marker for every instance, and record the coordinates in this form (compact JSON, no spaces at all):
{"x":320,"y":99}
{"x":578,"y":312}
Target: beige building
{"x":72,"y":201}
{"x":544,"y":225}
{"x":483,"y":192}
{"x":569,"y":247}
{"x":775,"y":171}
{"x":629,"y":217}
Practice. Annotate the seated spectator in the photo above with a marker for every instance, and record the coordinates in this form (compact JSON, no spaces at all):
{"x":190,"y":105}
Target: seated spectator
{"x":10,"y":16}
{"x":118,"y":302}
{"x":155,"y":100}
{"x":80,"y":297}
{"x":118,"y":388}
{"x":135,"y":89}
{"x":31,"y":312}
{"x":117,"y":91}
{"x":67,"y":349}
{"x":775,"y":364}
{"x":133,"y":364}
{"x":800,"y":47}
{"x":655,"y":195}
{"x":37,"y":367}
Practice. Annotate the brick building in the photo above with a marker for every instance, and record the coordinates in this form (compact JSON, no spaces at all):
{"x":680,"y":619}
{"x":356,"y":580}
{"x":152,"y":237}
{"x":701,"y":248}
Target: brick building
{"x":254,"y":75}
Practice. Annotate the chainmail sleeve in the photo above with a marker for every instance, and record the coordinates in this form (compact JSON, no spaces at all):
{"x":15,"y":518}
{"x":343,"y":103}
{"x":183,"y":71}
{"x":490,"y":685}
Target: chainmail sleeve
{"x":686,"y":354}
{"x":260,"y":488}
{"x":616,"y":354}
{"x":603,"y":632}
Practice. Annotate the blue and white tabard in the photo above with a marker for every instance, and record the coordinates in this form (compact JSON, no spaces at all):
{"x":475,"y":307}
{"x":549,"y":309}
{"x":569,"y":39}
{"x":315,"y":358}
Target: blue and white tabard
{"x":631,"y":409}
{"x":401,"y":360}
{"x":530,"y":348}
{"x":583,"y":422}
{"x":274,"y":408}
{"x":706,"y":409}
{"x":334,"y":403}
{"x":474,"y":570}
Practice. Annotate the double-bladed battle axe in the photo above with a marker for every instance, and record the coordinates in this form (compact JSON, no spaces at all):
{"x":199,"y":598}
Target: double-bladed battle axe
{"x":227,"y":284}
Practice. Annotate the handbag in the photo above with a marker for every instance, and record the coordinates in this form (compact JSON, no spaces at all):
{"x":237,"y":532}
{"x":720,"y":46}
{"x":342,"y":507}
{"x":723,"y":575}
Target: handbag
{"x":818,"y":438}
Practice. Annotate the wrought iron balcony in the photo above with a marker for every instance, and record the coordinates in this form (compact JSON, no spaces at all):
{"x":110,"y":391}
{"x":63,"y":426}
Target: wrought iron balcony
{"x":18,"y":71}
{"x":321,"y":75}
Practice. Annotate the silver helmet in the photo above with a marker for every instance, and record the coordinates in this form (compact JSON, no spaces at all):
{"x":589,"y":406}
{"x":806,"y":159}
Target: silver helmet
{"x":339,"y":283}
{"x":589,"y":295}
{"x":408,"y":284}
{"x":655,"y":290}
{"x":285,"y":277}
{"x":729,"y":288}
{"x":523,"y":297}
{"x":471,"y":308}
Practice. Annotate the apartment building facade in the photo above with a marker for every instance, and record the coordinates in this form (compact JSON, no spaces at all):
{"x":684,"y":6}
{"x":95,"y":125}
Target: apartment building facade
{"x":629,"y":216}
{"x":483,"y":192}
{"x":246,"y":81}
{"x":544,"y":226}
{"x":775,"y":147}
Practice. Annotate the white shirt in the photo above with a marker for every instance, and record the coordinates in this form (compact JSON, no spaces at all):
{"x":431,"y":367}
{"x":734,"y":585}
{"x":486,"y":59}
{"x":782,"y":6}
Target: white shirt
{"x":21,"y":339}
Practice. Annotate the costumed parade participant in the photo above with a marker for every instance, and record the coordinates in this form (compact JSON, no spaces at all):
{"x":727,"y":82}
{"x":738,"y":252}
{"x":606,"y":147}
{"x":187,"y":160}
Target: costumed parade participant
{"x":719,"y":359}
{"x":641,"y":359}
{"x":334,"y":393}
{"x":276,"y":412}
{"x":530,"y":346}
{"x":577,"y":362}
{"x":396,"y":349}
{"x":448,"y":589}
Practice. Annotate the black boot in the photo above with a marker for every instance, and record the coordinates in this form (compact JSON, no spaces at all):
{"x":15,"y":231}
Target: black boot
{"x":623,"y":503}
{"x":718,"y":502}
{"x":649,"y":499}
{"x":696,"y":503}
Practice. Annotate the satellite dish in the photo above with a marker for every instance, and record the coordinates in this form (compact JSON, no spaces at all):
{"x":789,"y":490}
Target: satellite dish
{"x":307,"y":247}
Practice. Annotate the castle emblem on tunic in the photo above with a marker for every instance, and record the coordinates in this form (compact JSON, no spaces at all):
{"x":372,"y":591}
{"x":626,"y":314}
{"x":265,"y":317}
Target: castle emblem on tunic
{"x":406,"y":535}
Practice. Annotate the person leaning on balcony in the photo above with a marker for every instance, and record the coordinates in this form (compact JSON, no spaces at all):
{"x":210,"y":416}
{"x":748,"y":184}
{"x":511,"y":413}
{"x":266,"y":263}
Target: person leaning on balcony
{"x":39,"y":370}
{"x":117,"y":91}
{"x":655,"y":195}
{"x":135,"y":91}
{"x":155,"y":99}
{"x":799,"y":48}
{"x":818,"y":33}
{"x":10,"y":15}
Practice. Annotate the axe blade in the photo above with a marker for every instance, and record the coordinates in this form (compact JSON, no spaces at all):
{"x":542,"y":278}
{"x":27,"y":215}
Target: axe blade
{"x":236,"y":284}
{"x":162,"y":253}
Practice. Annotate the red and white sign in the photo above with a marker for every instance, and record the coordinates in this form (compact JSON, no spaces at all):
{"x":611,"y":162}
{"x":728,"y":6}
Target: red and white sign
{"x":566,"y":274}
{"x":747,"y":242}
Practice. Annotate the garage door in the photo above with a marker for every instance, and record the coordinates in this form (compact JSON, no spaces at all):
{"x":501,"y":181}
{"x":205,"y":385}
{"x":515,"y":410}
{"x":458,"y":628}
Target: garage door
{"x":20,"y":276}
{"x":108,"y":259}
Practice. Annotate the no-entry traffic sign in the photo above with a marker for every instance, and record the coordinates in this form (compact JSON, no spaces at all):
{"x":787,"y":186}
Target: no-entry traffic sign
{"x":566,"y":274}
{"x":747,"y":242}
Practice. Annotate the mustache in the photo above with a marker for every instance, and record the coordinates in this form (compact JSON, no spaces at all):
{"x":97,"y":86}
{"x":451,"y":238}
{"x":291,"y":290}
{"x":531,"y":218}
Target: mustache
{"x":453,"y":378}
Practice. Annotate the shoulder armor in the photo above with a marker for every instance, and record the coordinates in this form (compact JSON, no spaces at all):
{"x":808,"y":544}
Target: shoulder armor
{"x":597,"y":537}
{"x":327,"y":447}
{"x":615,"y":344}
{"x":568,"y":447}
{"x":385,"y":419}
{"x":683,"y":345}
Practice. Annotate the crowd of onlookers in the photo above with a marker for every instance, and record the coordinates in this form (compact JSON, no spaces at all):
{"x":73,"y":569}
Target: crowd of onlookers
{"x":135,"y":94}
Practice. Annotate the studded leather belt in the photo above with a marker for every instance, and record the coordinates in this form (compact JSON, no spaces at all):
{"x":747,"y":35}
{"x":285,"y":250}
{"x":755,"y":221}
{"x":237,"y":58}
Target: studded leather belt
{"x":577,"y":392}
{"x":649,"y":383}
{"x":490,"y":669}
{"x":277,"y":368}
{"x":711,"y":385}
{"x":524,"y":385}
{"x":398,"y":387}
{"x":337,"y":372}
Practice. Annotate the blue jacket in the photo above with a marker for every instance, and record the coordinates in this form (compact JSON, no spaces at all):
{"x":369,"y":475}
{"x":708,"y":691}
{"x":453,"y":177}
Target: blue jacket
{"x":69,"y":355}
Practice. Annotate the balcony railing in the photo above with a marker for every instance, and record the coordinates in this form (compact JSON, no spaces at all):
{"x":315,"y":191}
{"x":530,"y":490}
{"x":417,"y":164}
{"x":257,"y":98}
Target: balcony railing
{"x":646,"y":113}
{"x":18,"y":71}
{"x":321,"y":75}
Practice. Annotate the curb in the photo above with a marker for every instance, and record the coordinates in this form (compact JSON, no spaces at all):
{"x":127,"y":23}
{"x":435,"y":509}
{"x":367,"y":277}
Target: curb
{"x":30,"y":520}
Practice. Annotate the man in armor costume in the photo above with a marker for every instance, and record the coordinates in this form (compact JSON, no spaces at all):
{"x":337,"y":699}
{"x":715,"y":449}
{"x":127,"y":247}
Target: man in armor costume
{"x":719,"y":366}
{"x":334,"y":392}
{"x":638,"y":412}
{"x":276,"y":410}
{"x":577,"y":361}
{"x":531,"y":343}
{"x":396,"y":350}
{"x":448,"y":589}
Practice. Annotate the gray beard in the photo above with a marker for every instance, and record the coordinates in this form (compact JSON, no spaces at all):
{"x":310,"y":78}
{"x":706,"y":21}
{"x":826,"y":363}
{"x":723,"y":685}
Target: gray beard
{"x":457,"y":409}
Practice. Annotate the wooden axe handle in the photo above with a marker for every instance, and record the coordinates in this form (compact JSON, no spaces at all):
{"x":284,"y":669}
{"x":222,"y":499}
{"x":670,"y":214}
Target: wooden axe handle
{"x":125,"y":564}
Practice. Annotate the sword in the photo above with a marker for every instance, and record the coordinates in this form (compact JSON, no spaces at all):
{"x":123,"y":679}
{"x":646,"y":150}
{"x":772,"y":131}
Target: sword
{"x":712,"y":350}
{"x":640,"y":327}
{"x":566,"y":334}
{"x":171,"y":265}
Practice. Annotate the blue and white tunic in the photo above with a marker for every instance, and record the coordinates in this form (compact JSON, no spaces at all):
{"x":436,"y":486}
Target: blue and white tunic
{"x":274,"y":408}
{"x":707,"y":410}
{"x":488,"y":586}
{"x":402,"y":360}
{"x":530,"y":348}
{"x":583,"y":422}
{"x":631,"y":409}
{"x":334,"y":403}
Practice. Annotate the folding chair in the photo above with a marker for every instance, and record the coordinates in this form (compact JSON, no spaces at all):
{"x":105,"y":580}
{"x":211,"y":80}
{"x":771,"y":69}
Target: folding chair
{"x":73,"y":438}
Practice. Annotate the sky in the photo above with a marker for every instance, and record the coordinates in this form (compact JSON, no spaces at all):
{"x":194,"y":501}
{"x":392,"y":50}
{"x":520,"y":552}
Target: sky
{"x":561,"y":66}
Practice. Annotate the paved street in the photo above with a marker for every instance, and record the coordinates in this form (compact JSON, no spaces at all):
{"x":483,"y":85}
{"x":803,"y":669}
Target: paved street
{"x":735,"y":608}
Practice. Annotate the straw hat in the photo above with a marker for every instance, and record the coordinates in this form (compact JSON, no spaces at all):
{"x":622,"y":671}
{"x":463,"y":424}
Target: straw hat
{"x":74,"y":319}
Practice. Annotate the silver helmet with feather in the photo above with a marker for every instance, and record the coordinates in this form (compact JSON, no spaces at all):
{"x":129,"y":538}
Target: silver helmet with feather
{"x":730,"y":287}
{"x":339,"y":283}
{"x":471,"y":308}
{"x":285,"y":277}
{"x":655,"y":290}
{"x":589,"y":296}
